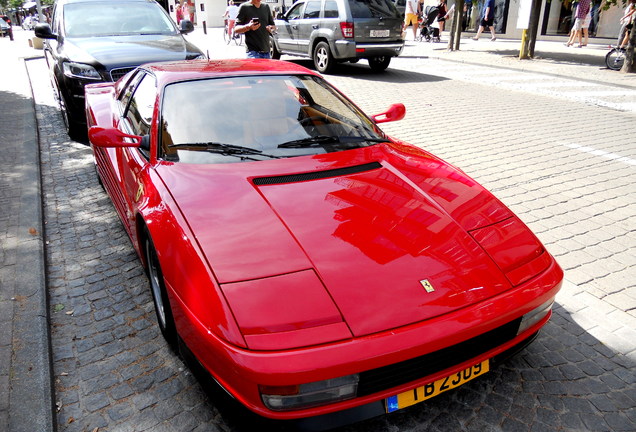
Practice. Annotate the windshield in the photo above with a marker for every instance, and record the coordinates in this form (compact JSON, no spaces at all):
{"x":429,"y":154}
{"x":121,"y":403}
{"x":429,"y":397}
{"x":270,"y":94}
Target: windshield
{"x":258,"y":118}
{"x":114,"y":19}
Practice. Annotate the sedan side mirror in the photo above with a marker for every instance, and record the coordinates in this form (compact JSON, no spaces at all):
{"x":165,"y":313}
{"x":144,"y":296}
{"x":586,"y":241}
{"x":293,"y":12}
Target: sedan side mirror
{"x":186,"y":26}
{"x":394,"y":113}
{"x":112,"y":138}
{"x":43,"y":31}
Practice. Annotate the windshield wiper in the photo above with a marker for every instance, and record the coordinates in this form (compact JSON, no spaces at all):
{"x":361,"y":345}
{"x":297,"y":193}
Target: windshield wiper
{"x":218,"y":146}
{"x":314,"y":141}
{"x":325,"y":139}
{"x":224,"y":149}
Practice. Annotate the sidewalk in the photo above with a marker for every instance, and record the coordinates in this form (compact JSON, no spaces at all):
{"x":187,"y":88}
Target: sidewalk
{"x":26,"y":390}
{"x":551,"y":57}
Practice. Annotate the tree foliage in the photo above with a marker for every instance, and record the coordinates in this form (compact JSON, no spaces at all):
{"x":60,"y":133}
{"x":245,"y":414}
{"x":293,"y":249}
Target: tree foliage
{"x":17,"y":4}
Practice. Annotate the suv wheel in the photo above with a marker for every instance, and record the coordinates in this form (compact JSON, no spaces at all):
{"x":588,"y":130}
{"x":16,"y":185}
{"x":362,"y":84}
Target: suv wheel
{"x":379,"y":64}
{"x":273,"y":51}
{"x":323,"y":60}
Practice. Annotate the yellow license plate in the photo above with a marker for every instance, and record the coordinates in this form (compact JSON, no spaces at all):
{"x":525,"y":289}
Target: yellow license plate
{"x":430,"y":390}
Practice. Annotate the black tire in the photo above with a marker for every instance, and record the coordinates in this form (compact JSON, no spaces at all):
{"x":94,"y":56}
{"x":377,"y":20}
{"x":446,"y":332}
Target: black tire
{"x":615,"y":59}
{"x":379,"y":64}
{"x":159,"y":294}
{"x":273,"y":51}
{"x":323,"y":60}
{"x":99,"y":178}
{"x":75,"y":129}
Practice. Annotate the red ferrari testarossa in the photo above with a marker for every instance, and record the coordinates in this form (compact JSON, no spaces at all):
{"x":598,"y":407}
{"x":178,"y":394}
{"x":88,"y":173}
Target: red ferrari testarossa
{"x":310,"y":262}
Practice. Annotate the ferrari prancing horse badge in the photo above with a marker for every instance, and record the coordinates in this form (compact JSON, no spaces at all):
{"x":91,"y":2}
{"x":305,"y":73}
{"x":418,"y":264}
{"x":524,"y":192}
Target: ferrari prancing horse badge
{"x":427,"y":286}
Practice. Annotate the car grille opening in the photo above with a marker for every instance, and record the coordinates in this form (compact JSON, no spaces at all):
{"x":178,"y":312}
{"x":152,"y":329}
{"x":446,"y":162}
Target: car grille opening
{"x":115,"y":74}
{"x":386,"y":377}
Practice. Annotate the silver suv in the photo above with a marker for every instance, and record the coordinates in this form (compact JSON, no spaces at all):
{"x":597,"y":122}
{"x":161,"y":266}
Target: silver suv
{"x":331,"y":31}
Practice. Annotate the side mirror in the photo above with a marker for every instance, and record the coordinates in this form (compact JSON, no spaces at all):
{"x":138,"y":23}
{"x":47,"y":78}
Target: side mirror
{"x":186,"y":26}
{"x":394,"y":113}
{"x":112,"y":138}
{"x":43,"y":31}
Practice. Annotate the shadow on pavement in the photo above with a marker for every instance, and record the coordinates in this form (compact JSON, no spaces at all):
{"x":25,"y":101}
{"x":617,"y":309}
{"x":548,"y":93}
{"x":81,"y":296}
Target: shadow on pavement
{"x":362,"y":71}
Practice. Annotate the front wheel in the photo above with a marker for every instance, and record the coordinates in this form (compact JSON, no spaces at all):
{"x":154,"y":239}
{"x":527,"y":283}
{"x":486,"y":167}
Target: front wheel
{"x":226,"y":37}
{"x":273,"y":51}
{"x":323,"y":60}
{"x":379,"y":64}
{"x":75,"y":129}
{"x":159,"y":294}
{"x":615,"y":58}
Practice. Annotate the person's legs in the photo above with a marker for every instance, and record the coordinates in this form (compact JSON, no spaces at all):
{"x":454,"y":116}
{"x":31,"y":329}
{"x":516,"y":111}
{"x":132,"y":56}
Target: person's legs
{"x":585,"y":36}
{"x":572,"y":36}
{"x":230,"y":27}
{"x":481,"y":29}
{"x":621,"y":35}
{"x":625,"y":41}
{"x":492,"y":32}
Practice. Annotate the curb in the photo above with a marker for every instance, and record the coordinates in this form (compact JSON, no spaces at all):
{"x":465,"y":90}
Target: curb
{"x":31,"y":394}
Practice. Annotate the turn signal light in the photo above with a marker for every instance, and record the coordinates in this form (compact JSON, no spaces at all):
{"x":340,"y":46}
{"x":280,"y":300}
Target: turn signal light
{"x":285,"y":398}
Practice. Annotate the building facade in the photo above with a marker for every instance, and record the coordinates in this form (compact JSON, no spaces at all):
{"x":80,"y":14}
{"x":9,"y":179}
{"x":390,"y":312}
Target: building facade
{"x":556,"y":17}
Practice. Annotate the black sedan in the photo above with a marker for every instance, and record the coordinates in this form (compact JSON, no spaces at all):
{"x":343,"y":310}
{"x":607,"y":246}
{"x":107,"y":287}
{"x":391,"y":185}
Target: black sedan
{"x":89,"y":41}
{"x":5,"y":27}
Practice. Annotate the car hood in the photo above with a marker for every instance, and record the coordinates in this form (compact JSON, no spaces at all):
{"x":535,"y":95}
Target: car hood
{"x":119,"y":51}
{"x":384,"y":230}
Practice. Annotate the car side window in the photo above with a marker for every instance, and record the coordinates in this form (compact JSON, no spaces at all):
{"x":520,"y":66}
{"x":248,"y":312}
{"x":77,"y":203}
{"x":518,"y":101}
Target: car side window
{"x":312,"y":10}
{"x":141,"y":106}
{"x":55,"y":20}
{"x":331,"y":9}
{"x":295,"y":12}
{"x":129,"y":89}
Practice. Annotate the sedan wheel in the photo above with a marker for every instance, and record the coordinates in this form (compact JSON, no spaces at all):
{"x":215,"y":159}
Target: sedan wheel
{"x":159,"y":294}
{"x":76,"y":131}
{"x":323,"y":60}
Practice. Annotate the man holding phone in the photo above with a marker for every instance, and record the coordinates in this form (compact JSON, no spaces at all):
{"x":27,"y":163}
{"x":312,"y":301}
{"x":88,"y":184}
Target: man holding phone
{"x":255,"y":20}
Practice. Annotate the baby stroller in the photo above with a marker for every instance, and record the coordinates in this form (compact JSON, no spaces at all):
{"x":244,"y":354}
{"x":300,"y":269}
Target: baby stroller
{"x":428,"y":32}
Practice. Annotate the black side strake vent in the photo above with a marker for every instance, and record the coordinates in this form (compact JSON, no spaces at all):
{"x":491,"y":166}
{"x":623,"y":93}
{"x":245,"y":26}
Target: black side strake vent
{"x":295,"y":178}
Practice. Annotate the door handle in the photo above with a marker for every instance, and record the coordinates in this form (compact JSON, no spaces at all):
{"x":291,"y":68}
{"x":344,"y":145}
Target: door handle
{"x":315,"y":26}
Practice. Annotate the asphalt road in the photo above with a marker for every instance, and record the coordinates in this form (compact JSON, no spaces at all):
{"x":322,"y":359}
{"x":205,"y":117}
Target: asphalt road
{"x":565,"y":166}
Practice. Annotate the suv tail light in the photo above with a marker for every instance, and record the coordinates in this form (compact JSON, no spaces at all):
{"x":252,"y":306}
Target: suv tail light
{"x":347,"y":29}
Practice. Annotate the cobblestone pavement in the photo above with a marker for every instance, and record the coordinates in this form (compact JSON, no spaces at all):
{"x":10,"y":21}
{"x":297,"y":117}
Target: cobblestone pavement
{"x":555,"y":162}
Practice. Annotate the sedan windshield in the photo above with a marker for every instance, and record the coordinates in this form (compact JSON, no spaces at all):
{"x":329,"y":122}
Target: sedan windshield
{"x":258,"y":118}
{"x":115,"y":19}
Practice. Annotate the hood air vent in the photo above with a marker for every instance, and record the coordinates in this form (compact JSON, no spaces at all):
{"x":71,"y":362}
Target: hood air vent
{"x":295,"y":178}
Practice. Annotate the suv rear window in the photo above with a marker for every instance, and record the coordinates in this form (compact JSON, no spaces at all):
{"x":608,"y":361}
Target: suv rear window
{"x":373,"y":9}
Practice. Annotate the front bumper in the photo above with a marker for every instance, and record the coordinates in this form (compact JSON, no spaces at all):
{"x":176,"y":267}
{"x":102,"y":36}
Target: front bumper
{"x":240,"y":371}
